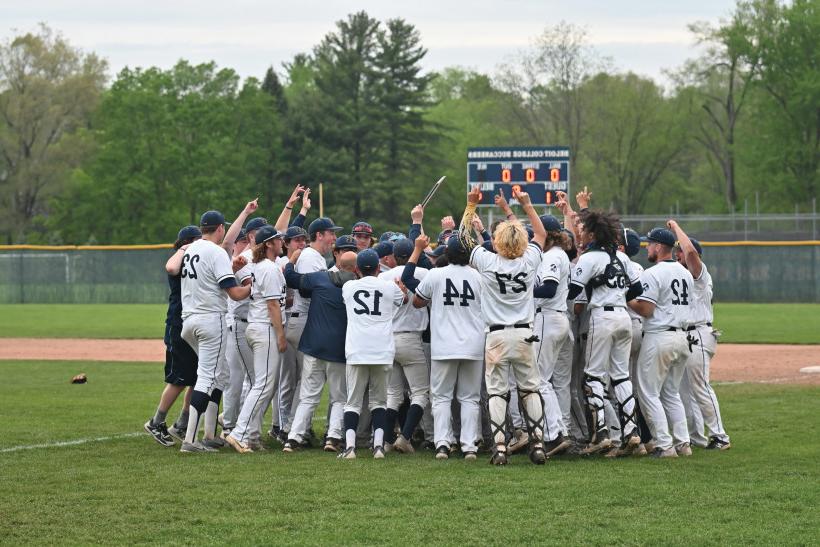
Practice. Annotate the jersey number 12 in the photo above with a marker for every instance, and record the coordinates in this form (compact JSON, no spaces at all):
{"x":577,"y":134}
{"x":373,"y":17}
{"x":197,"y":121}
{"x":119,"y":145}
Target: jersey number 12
{"x":365,"y":307}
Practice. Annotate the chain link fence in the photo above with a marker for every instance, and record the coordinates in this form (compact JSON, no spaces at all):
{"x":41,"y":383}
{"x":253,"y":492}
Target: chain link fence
{"x":742,"y":272}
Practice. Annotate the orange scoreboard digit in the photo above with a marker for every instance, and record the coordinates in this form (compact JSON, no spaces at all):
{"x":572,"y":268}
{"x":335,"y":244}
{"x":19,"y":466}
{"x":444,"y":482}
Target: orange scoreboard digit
{"x":541,"y":171}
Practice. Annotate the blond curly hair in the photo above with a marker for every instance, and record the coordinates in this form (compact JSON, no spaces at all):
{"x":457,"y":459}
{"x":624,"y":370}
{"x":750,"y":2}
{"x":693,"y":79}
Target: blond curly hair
{"x":510,"y":239}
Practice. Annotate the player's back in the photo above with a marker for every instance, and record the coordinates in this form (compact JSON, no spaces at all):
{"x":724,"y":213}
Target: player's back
{"x":507,"y":285}
{"x":456,"y":321}
{"x":615,"y":282}
{"x":408,"y":318}
{"x":204,"y":266}
{"x":555,"y":266}
{"x":670,"y":287}
{"x":370,"y":303}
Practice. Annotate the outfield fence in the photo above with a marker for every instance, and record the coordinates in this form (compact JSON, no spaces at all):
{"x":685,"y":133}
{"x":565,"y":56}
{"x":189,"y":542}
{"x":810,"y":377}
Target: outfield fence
{"x":743,"y":271}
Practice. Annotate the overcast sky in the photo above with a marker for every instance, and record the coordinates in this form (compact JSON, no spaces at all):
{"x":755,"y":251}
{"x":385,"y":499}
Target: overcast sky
{"x":644,"y":36}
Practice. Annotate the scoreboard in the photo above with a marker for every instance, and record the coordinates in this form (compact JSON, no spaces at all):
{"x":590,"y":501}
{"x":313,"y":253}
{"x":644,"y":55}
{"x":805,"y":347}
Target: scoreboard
{"x":540,"y":171}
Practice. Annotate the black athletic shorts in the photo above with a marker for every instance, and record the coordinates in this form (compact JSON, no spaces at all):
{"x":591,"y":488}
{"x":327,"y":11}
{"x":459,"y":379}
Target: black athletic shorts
{"x":180,"y":359}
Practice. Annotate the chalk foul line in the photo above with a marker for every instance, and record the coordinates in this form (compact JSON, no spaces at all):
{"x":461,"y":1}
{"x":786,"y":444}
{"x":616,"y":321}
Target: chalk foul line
{"x":60,"y":444}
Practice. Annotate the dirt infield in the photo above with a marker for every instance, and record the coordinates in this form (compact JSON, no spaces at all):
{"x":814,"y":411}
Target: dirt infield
{"x":779,"y":364}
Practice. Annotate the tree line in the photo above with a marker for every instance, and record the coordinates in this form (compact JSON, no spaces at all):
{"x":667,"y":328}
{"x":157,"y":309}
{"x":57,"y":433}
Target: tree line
{"x":89,"y":159}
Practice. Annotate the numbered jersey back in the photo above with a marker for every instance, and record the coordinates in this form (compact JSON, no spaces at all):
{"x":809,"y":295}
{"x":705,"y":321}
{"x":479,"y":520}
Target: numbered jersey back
{"x":204,"y":266}
{"x":606,"y":280}
{"x":456,"y":323}
{"x":670,"y":287}
{"x":370,"y":303}
{"x":506,"y":297}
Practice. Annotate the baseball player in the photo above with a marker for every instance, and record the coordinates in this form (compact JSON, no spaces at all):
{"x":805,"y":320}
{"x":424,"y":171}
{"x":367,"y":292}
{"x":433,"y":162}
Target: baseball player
{"x":322,"y":234}
{"x":265,"y":335}
{"x":362,"y":234}
{"x":238,"y":353}
{"x":699,"y":400}
{"x":207,"y":275}
{"x":665,"y":305}
{"x":507,"y":279}
{"x":408,"y":325}
{"x":386,"y":259}
{"x":453,"y":294}
{"x":601,"y":271}
{"x":552,"y":327}
{"x":370,"y":303}
{"x":180,"y":359}
{"x":323,"y":347}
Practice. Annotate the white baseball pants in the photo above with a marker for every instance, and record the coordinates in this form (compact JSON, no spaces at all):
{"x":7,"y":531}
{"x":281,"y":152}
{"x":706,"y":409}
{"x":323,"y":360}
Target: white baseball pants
{"x":698,"y":397}
{"x":240,"y":368}
{"x":413,"y":366}
{"x":462,"y":376}
{"x":366,"y":378}
{"x":315,"y":373}
{"x":207,"y":335}
{"x":552,"y":328}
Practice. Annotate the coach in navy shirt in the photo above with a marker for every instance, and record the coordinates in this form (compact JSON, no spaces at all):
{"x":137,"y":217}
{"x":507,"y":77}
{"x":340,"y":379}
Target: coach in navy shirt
{"x":323,"y":346}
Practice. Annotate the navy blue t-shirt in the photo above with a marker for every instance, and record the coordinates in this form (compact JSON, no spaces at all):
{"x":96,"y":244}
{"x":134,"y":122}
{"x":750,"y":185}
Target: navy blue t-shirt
{"x":174,"y":317}
{"x":326,"y":326}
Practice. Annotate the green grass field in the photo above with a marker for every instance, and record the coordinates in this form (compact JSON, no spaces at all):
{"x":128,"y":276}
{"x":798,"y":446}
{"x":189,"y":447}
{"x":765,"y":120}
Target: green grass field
{"x":131,"y":490}
{"x":740,"y":323}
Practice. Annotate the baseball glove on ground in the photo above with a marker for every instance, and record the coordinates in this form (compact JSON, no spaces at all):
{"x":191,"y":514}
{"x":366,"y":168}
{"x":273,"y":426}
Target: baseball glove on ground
{"x":79,"y":379}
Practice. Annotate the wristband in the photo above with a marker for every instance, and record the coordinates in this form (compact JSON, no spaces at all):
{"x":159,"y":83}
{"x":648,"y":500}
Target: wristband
{"x":288,"y":208}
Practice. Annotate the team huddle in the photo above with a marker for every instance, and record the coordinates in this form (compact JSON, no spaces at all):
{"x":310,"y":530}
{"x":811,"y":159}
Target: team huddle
{"x":536,"y":336}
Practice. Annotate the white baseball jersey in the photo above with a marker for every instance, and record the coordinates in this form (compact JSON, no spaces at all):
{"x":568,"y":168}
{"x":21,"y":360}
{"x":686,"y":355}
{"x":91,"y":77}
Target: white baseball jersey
{"x":555,"y":266}
{"x":506,"y":296}
{"x":670,"y":287}
{"x":611,"y":293}
{"x":634,"y":269}
{"x":702,"y":303}
{"x":268,"y":284}
{"x":371,"y":304}
{"x":310,"y":260}
{"x":238,"y":309}
{"x":456,"y":322}
{"x":408,"y":318}
{"x":205,"y":266}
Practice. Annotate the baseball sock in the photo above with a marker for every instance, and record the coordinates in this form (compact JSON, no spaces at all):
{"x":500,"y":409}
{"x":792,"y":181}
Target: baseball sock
{"x":390,"y":428}
{"x":351,"y":421}
{"x":159,"y":417}
{"x":379,"y":417}
{"x":199,"y":402}
{"x":212,"y":413}
{"x":414,"y":415}
{"x":182,"y":421}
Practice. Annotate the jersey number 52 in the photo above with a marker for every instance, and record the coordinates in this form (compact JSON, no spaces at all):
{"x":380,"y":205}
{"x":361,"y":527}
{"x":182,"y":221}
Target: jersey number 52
{"x":188,"y":266}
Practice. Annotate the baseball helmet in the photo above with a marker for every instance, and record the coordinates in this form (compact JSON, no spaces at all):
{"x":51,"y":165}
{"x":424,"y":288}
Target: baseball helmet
{"x":403,"y":248}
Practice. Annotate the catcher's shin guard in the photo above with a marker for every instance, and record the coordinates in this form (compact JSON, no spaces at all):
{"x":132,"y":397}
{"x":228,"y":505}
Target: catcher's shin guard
{"x":594,"y":395}
{"x":626,"y":405}
{"x":497,"y":407}
{"x":532,"y":410}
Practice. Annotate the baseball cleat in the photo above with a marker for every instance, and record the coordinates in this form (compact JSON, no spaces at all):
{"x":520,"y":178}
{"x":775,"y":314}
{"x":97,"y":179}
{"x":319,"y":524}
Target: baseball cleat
{"x":195,"y":447}
{"x":378,"y":452}
{"x":520,"y":439}
{"x":640,"y":450}
{"x":716,"y":443}
{"x":348,"y":454}
{"x":499,"y":456}
{"x":428,"y":445}
{"x":332,"y":445}
{"x":403,"y":445}
{"x":225,"y":433}
{"x":557,"y":446}
{"x":442,"y":452}
{"x":239,"y":446}
{"x":215,"y":442}
{"x":178,"y":433}
{"x":159,"y":432}
{"x":683,"y":449}
{"x":290,"y":446}
{"x":536,"y":453}
{"x":594,"y":448}
{"x":470,"y":456}
{"x":633,"y":441}
{"x":661,"y":453}
{"x":257,"y":446}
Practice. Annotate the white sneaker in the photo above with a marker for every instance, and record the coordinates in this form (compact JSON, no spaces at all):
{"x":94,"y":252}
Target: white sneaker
{"x":683,"y":449}
{"x":378,"y":453}
{"x":520,"y":440}
{"x":195,"y":447}
{"x":348,"y":454}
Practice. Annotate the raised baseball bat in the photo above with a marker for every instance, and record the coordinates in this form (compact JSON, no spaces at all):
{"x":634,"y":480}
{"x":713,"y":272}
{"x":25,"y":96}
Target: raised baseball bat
{"x":432,"y":191}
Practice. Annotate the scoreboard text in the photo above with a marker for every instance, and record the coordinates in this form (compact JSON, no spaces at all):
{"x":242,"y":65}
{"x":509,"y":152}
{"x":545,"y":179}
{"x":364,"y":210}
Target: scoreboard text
{"x":539,"y":171}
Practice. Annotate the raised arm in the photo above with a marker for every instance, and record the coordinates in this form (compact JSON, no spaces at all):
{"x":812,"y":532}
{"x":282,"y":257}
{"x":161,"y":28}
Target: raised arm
{"x":284,"y":217}
{"x":501,"y":203}
{"x":233,"y":231}
{"x":569,"y":215}
{"x":539,"y":233}
{"x":691,"y":256}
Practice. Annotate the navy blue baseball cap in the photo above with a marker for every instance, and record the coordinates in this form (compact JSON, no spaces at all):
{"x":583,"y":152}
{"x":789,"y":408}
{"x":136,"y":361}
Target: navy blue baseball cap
{"x":437,"y":252}
{"x":444,"y":235}
{"x":212,"y":218}
{"x":345,"y":243}
{"x":386,"y":236}
{"x":660,"y":235}
{"x":265,"y":233}
{"x":550,"y":223}
{"x":189,"y":232}
{"x":403,"y":248}
{"x":397,"y":236}
{"x":367,"y":261}
{"x":383,"y":249}
{"x":295,"y":231}
{"x":695,"y":244}
{"x":362,"y":227}
{"x":241,"y":235}
{"x":632,"y":245}
{"x":322,"y":224}
{"x":455,"y":246}
{"x":255,"y":223}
